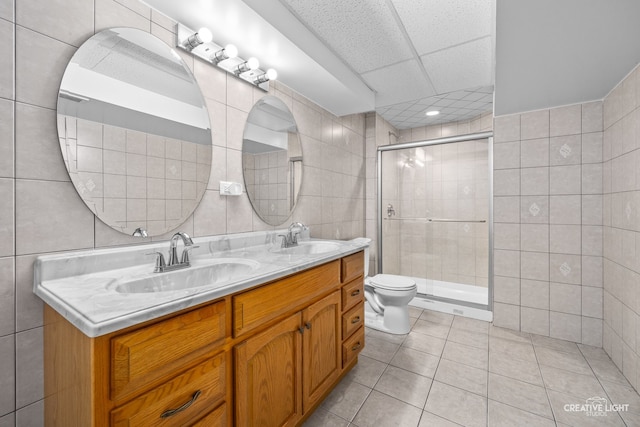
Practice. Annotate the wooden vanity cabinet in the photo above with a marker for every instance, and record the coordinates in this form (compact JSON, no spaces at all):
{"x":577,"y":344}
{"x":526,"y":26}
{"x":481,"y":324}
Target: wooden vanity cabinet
{"x":172,"y":371}
{"x":262,"y":357}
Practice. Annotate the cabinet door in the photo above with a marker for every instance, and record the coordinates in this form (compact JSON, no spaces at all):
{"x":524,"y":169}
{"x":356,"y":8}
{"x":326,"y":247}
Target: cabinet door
{"x":269,"y":376}
{"x":321,"y":343}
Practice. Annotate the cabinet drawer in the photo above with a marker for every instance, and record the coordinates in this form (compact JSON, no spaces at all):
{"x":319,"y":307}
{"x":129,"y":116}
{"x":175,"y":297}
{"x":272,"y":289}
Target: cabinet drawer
{"x":189,"y":396}
{"x":352,"y":320}
{"x":352,"y":293}
{"x":352,"y":346}
{"x":258,"y":306}
{"x":216,"y":418}
{"x":145,"y":355}
{"x":352,"y":267}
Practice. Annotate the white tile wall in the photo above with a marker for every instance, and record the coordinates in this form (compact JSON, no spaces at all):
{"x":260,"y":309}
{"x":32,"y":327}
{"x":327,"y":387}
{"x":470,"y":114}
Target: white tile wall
{"x":557,"y":211}
{"x":621,"y":220}
{"x":49,"y":215}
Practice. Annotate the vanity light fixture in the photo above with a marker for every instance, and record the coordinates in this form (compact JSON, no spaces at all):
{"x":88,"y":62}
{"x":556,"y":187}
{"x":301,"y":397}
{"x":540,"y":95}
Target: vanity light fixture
{"x":196,"y":39}
{"x":248,"y":65}
{"x":271,"y":74}
{"x":201,"y":45}
{"x":229,"y":51}
{"x":433,"y":112}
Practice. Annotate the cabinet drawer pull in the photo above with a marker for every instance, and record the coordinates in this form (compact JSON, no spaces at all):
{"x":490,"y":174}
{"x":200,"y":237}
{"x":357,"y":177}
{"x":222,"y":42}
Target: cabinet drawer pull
{"x":355,"y":293}
{"x":171,"y":412}
{"x":356,"y":346}
{"x":355,"y":320}
{"x":308,"y":325}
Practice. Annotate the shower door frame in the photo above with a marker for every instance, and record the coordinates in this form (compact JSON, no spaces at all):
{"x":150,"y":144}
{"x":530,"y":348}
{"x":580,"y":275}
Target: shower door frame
{"x":439,"y":141}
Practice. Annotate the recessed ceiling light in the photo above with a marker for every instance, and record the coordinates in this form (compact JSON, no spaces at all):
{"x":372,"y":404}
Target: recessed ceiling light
{"x":433,"y":113}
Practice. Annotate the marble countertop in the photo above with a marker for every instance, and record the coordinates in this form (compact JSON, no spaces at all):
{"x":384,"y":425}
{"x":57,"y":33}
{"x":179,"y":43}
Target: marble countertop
{"x":83,"y":286}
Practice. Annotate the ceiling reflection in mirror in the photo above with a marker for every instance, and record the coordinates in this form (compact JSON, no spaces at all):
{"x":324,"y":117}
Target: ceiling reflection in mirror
{"x":134,"y":131}
{"x":272,"y":160}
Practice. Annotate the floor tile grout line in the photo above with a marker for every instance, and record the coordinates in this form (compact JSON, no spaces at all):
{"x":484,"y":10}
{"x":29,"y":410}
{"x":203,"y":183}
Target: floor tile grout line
{"x":602,"y":385}
{"x":546,"y":390}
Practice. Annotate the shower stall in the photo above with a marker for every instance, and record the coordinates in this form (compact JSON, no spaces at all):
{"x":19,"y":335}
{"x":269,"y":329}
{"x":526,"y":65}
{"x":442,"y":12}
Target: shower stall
{"x":435,"y":220}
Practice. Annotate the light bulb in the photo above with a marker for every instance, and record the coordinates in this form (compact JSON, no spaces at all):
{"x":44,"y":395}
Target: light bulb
{"x":230,"y":51}
{"x":433,"y":113}
{"x":205,"y":35}
{"x":272,"y":74}
{"x":253,"y":63}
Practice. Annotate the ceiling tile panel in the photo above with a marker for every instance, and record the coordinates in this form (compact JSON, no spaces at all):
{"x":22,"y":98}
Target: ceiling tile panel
{"x":363,"y":32}
{"x":437,"y":24}
{"x":398,"y":83}
{"x":461,"y":67}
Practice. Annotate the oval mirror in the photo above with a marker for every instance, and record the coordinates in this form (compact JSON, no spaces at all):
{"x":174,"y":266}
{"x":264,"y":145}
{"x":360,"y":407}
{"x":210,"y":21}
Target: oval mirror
{"x":134,"y":132}
{"x":272,"y":160}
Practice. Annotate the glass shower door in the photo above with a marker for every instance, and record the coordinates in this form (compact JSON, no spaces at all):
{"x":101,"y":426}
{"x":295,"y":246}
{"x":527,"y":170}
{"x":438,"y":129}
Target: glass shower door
{"x":435,"y":218}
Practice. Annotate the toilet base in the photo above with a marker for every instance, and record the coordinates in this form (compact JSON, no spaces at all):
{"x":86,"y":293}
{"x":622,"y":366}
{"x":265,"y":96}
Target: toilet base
{"x":395,"y":320}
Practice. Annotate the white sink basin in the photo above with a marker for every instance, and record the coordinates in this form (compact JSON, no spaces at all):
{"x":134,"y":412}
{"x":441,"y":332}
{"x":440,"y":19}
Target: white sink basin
{"x":309,"y":248}
{"x":210,"y":273}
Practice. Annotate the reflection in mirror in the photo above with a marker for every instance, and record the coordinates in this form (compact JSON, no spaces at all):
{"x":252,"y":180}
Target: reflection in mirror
{"x":134,"y":131}
{"x":272,"y":160}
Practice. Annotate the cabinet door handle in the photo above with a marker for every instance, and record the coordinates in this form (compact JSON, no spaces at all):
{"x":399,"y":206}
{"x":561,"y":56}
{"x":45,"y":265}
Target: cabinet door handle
{"x":355,"y":320}
{"x":355,"y":293}
{"x":308,"y":325}
{"x":171,"y":412}
{"x":356,"y":347}
{"x":301,"y":330}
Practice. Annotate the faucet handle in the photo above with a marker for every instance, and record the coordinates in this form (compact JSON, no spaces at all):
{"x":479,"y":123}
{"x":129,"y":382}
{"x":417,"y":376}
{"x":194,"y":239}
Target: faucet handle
{"x":185,"y":254}
{"x":160,"y":263}
{"x":285,"y":240}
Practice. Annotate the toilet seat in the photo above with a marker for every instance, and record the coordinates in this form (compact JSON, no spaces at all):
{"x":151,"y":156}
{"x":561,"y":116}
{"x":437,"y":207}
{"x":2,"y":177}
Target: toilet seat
{"x":391,"y":282}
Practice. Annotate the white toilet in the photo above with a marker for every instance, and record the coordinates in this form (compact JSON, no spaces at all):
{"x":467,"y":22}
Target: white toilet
{"x":387,"y":299}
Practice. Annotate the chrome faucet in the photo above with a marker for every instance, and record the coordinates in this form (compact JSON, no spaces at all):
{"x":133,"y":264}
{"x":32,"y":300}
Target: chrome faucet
{"x":291,"y":238}
{"x":173,"y":263}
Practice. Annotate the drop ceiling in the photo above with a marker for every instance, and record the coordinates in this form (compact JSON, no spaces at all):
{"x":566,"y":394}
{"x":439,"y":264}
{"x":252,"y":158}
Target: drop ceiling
{"x":397,"y":57}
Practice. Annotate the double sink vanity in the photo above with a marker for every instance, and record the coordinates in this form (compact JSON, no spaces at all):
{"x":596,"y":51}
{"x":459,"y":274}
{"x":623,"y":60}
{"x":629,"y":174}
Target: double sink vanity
{"x":220,"y":331}
{"x":250,"y":333}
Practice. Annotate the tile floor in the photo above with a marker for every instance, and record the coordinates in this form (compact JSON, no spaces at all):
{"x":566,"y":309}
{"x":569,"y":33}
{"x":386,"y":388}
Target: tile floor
{"x":451,"y":370}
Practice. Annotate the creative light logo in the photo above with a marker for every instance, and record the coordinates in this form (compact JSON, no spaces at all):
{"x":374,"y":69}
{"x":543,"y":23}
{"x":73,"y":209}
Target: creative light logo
{"x":596,"y":407}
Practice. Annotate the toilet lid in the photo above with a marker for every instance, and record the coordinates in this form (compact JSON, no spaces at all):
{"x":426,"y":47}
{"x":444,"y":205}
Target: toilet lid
{"x":392,"y":282}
